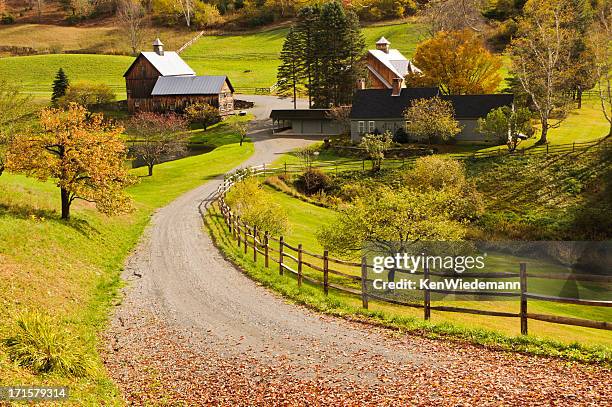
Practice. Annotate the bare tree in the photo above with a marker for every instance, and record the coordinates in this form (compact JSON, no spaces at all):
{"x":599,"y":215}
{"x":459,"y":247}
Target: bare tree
{"x":39,"y":6}
{"x":186,"y":7}
{"x":453,"y":15}
{"x":599,"y":40}
{"x":131,"y":16}
{"x":541,"y":59}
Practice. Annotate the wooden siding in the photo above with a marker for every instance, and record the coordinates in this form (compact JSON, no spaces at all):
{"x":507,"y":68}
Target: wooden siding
{"x":178,"y":103}
{"x":382,"y":70}
{"x":140,"y":79}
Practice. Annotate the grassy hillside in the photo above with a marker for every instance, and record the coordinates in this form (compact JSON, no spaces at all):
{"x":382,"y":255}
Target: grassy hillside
{"x":35,"y":73}
{"x":71,"y":269}
{"x":305,"y":218}
{"x":251,"y":60}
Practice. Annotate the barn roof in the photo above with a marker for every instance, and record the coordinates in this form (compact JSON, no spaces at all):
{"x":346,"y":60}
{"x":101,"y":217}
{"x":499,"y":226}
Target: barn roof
{"x":379,"y":104}
{"x":395,"y":61}
{"x":168,"y":64}
{"x":190,"y":85}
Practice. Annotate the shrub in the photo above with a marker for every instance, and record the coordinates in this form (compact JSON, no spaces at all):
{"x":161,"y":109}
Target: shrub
{"x":87,"y":94}
{"x":40,"y":343}
{"x":253,"y":205}
{"x":312,"y":181}
{"x":7,"y":19}
{"x":202,"y":113}
{"x":401,"y":136}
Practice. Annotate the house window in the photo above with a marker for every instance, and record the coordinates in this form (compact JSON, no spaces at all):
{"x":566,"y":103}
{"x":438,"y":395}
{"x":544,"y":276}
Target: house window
{"x":361,"y":127}
{"x":371,"y":126}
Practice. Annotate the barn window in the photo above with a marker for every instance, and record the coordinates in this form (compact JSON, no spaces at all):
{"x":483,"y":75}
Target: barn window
{"x":371,"y":126}
{"x":361,"y":127}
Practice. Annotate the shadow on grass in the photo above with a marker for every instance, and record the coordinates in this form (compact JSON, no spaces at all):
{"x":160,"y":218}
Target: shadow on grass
{"x":27,"y":212}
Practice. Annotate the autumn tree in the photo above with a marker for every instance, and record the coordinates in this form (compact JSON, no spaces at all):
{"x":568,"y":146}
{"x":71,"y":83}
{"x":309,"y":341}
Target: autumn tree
{"x":80,"y":151}
{"x":600,"y":38}
{"x":341,"y":116}
{"x":290,"y":75}
{"x":375,"y":147}
{"x":131,"y":15}
{"x":453,"y":15}
{"x":458,"y":63}
{"x":431,"y":119}
{"x":202,"y":113}
{"x":507,"y":125}
{"x":541,"y":59}
{"x":15,"y":108}
{"x":157,"y":137}
{"x":241,"y":129}
{"x":87,"y":94}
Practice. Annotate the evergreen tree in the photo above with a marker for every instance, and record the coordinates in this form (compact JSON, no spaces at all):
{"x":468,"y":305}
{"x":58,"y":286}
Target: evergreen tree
{"x":290,"y":75}
{"x":306,"y":27}
{"x":60,"y":85}
{"x":340,"y":46}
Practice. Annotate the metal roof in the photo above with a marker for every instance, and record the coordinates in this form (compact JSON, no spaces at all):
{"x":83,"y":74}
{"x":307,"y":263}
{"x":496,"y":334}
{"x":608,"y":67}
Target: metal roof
{"x":395,"y":61}
{"x":169,"y":64}
{"x":189,"y":85}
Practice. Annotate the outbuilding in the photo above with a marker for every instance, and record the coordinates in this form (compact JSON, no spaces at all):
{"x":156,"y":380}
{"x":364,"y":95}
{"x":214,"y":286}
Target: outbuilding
{"x":304,"y":122}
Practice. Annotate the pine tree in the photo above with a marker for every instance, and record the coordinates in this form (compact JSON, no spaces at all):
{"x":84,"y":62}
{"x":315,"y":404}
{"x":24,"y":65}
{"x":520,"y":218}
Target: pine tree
{"x":290,"y":76}
{"x":340,"y":44}
{"x":60,"y":85}
{"x":307,"y":23}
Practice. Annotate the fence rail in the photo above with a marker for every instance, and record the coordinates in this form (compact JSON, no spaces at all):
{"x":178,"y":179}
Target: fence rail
{"x":291,"y":258}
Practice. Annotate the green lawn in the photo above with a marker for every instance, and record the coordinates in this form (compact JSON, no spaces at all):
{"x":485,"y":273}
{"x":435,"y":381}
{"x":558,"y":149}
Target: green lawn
{"x":36,"y":73}
{"x":71,"y":269}
{"x":306,"y":218}
{"x":251,"y":60}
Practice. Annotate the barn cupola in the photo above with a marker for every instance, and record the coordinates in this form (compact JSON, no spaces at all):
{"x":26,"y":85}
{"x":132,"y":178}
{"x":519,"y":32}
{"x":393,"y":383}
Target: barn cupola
{"x":158,"y":47}
{"x":383,"y":45}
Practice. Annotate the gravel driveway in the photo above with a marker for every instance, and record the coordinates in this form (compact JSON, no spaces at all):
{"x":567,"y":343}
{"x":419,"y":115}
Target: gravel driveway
{"x":193,"y":330}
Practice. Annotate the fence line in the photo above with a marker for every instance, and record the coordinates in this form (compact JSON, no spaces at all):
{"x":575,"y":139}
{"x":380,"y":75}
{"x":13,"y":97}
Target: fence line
{"x":248,"y":237}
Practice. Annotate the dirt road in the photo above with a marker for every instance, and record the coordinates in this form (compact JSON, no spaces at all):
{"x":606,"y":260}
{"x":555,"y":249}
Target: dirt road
{"x":193,"y":329}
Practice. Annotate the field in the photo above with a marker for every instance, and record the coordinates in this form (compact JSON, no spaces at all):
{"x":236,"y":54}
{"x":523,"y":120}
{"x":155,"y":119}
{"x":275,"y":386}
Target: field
{"x":71,"y":269}
{"x":306,"y":218}
{"x":250,"y":60}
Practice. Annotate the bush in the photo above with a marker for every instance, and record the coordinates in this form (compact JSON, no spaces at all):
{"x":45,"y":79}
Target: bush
{"x":87,"y":94}
{"x":253,"y":205}
{"x":40,"y":343}
{"x":7,"y":19}
{"x":401,"y":136}
{"x":312,"y":181}
{"x":206,"y":15}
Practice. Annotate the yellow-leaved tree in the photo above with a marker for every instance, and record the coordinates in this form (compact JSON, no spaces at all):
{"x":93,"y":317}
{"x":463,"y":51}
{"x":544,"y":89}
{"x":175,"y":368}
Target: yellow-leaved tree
{"x":80,"y":151}
{"x":457,"y":62}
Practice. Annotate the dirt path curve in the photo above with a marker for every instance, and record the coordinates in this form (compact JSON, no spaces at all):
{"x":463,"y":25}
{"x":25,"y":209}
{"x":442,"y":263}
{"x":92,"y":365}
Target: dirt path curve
{"x":194,"y":330}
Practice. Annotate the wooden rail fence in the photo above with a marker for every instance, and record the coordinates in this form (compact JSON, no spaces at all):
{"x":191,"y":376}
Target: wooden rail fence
{"x":295,"y":259}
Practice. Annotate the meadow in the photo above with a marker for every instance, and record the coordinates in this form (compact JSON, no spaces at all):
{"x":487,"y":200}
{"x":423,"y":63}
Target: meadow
{"x":250,"y":60}
{"x":71,"y":269}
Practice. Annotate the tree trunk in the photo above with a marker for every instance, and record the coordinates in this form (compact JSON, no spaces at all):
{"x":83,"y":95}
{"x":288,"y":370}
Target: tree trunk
{"x":65,"y":204}
{"x":543,"y":135}
{"x":150,"y":166}
{"x":579,"y":97}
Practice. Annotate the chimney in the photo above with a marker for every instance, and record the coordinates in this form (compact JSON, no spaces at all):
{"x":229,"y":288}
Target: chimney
{"x":397,"y":86}
{"x":158,"y":47}
{"x":361,"y":84}
{"x":383,"y":45}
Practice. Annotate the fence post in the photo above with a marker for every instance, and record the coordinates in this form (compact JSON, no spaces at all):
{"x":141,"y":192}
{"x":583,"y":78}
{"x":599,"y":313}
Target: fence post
{"x":523,"y":275}
{"x":255,"y":244}
{"x":280,"y":255}
{"x":285,"y":168}
{"x":246,"y":238}
{"x":363,"y":165}
{"x":326,"y":272}
{"x":299,"y":266}
{"x":426,"y":295}
{"x":266,"y":251}
{"x":237,"y":228}
{"x":546,"y":148}
{"x":574,"y":147}
{"x":230,"y":219}
{"x":364,"y":282}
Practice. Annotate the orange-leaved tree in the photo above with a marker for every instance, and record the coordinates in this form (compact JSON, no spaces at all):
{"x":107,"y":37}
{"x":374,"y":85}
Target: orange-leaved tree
{"x":80,"y":151}
{"x":457,"y":62}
